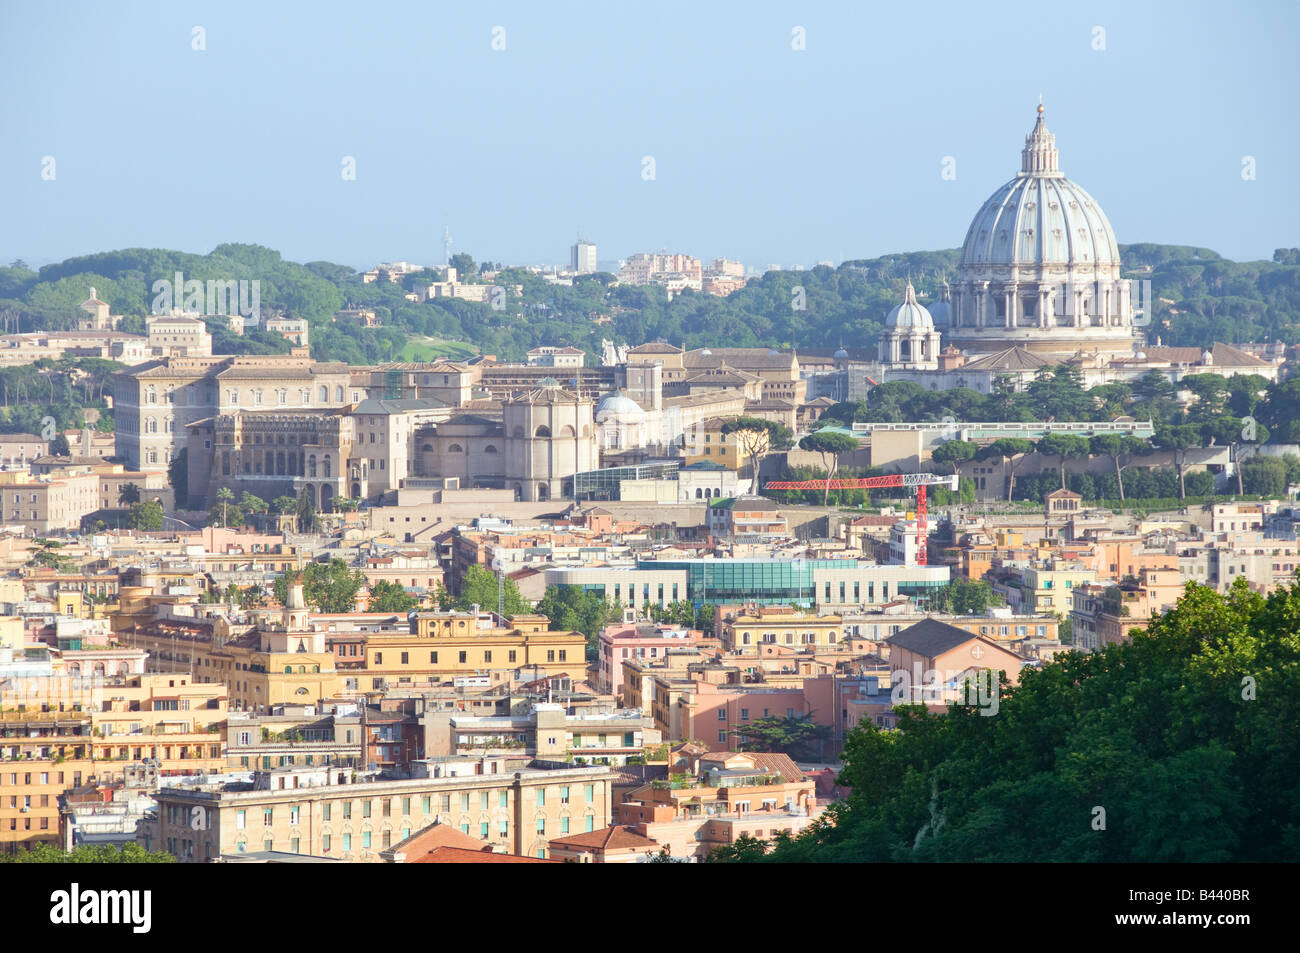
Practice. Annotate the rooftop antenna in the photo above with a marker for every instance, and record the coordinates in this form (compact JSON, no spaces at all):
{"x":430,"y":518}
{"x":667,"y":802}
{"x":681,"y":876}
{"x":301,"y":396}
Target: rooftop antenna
{"x":446,"y":246}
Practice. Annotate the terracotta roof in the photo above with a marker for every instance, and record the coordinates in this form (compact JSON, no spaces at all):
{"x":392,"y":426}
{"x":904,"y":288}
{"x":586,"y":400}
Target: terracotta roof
{"x":615,"y":837}
{"x":460,"y":855}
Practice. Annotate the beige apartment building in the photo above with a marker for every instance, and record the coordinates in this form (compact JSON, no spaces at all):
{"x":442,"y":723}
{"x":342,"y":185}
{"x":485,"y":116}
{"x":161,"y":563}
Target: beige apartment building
{"x":155,"y":402}
{"x":48,"y":504}
{"x":778,"y":626}
{"x":61,"y":731}
{"x":445,"y":645}
{"x":179,"y":335}
{"x":322,"y":812}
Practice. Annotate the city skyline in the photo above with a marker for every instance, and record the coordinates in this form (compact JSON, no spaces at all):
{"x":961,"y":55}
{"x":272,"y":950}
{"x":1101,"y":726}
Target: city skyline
{"x":762,"y":152}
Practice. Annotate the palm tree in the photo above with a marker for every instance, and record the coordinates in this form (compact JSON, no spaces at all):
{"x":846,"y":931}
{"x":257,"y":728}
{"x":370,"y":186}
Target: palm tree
{"x":225,"y":496}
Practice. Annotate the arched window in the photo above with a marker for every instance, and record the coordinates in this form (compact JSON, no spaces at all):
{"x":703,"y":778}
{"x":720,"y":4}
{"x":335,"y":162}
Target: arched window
{"x":455,"y":448}
{"x":233,"y":396}
{"x":324,"y":394}
{"x":257,"y":397}
{"x":325,"y":466}
{"x":698,"y":493}
{"x":311,"y":465}
{"x":151,"y":395}
{"x":304,"y":396}
{"x":151,"y":426}
{"x":490,"y":449}
{"x":338,"y":394}
{"x":543,"y":431}
{"x":171,"y":425}
{"x":568,"y":431}
{"x":426,"y":448}
{"x":270,"y":462}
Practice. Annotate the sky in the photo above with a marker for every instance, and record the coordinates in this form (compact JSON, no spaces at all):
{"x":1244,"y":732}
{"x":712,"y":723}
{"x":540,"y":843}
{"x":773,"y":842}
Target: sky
{"x":519,"y":126}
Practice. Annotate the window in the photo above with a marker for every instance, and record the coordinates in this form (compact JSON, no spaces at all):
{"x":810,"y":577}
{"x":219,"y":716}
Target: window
{"x":462,"y":657}
{"x":347,"y":811}
{"x":293,"y":845}
{"x":722,"y":736}
{"x":405,"y":658}
{"x":512,"y":655}
{"x":241,"y":818}
{"x":591,"y":793}
{"x":722,"y":714}
{"x":425,"y":804}
{"x":406,"y":805}
{"x":564,"y":825}
{"x":744,"y":714}
{"x":325,"y":843}
{"x":541,"y":825}
{"x":293,"y":816}
{"x":347,"y":841}
{"x":591,"y":823}
{"x":365,"y":839}
{"x":541,"y":797}
{"x":487,"y":656}
{"x":365,"y":808}
{"x":433,"y":657}
{"x":325,"y":811}
{"x":483,"y":831}
{"x":266,"y":816}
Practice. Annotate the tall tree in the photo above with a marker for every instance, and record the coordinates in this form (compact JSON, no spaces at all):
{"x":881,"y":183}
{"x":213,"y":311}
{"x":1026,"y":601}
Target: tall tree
{"x":1120,"y":448}
{"x":830,"y":445}
{"x":327,"y":587}
{"x":1178,"y":440}
{"x":1063,"y":446}
{"x":757,"y":437}
{"x":1010,"y":450}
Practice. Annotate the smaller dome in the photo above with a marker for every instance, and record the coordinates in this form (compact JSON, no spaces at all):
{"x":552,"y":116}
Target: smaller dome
{"x":841,"y":355}
{"x":910,"y":314}
{"x":618,"y":403}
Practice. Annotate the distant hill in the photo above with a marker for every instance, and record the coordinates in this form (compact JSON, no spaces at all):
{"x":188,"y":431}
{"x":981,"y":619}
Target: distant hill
{"x":1202,"y":297}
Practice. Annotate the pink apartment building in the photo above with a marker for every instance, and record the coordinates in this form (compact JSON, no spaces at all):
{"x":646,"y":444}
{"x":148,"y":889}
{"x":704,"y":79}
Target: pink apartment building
{"x":631,"y":639}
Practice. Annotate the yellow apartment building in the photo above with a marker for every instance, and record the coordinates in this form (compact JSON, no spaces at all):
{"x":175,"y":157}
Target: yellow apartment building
{"x":323,"y":812}
{"x":445,"y":645}
{"x":745,"y":633}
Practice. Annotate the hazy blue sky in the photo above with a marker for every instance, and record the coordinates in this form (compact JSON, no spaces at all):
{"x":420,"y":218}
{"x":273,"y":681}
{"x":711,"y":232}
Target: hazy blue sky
{"x":762,"y":153}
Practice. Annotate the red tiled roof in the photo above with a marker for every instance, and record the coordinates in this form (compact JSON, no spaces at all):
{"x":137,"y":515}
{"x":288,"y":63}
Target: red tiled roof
{"x":460,"y":855}
{"x":615,"y":837}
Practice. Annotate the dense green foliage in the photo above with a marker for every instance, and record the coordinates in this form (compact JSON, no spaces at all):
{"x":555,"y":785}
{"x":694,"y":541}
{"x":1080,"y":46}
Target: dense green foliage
{"x":386,"y":596}
{"x":87,"y":854}
{"x":481,"y":587}
{"x":574,"y":609}
{"x":1181,"y":746}
{"x":964,"y":597}
{"x":1201,"y":297}
{"x":146,"y":515}
{"x":796,"y":735}
{"x":327,"y":587}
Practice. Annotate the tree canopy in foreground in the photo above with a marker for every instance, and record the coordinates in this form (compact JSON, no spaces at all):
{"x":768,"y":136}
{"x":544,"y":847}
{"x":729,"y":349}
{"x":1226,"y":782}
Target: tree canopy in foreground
{"x":1181,"y":746}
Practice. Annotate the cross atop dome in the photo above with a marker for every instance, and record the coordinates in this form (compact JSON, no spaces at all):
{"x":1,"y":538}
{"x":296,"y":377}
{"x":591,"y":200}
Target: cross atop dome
{"x":1039,"y":157}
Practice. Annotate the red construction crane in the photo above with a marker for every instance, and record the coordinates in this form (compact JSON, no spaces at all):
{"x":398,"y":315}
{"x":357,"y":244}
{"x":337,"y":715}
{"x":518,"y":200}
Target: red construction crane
{"x":918,"y":480}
